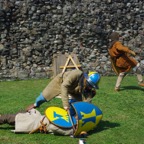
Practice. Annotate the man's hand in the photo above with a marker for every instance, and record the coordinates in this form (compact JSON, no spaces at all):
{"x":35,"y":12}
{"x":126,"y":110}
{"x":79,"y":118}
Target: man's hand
{"x":30,"y":107}
{"x":133,"y":53}
{"x":66,"y":108}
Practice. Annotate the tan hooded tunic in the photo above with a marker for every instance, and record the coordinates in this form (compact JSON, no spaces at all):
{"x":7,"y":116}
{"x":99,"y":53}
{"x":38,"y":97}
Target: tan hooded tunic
{"x":64,"y":85}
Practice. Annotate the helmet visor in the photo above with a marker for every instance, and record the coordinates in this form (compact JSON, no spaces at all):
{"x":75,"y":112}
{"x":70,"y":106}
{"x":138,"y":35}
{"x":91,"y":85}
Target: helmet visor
{"x":89,"y":82}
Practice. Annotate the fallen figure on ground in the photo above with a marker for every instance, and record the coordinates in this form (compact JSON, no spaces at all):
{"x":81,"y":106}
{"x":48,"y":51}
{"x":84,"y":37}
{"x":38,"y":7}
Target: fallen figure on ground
{"x":56,"y":120}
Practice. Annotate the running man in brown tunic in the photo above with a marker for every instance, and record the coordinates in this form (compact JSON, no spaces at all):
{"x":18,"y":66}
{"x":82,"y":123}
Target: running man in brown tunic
{"x":121,"y":60}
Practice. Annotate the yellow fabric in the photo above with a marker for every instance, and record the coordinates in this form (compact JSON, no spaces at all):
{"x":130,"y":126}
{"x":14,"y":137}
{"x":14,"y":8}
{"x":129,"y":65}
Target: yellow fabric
{"x":90,"y":73}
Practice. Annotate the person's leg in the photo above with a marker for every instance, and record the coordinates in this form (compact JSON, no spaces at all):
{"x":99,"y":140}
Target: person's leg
{"x":7,"y":119}
{"x":140,"y":79}
{"x":119,"y":80}
{"x":137,"y":70}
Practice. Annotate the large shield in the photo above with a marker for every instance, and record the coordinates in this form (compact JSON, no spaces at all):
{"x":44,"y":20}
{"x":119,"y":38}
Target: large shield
{"x":59,"y":117}
{"x":89,"y":116}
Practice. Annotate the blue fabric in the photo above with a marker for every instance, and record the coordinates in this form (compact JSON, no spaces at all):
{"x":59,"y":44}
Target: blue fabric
{"x":71,"y":109}
{"x":40,"y":99}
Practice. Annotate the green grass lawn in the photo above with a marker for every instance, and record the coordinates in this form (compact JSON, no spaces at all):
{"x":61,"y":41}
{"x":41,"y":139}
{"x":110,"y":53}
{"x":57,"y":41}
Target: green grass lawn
{"x":123,"y":112}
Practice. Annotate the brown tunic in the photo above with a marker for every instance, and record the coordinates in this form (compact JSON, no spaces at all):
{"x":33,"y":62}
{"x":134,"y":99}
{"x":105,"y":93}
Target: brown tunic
{"x":120,"y":56}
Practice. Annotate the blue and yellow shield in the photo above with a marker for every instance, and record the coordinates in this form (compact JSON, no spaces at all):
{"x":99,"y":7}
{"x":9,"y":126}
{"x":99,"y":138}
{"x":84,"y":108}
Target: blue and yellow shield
{"x":59,"y":117}
{"x":89,"y":116}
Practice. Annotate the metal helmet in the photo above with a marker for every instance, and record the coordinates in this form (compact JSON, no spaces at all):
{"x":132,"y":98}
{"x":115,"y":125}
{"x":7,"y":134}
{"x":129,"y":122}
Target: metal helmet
{"x":93,"y":79}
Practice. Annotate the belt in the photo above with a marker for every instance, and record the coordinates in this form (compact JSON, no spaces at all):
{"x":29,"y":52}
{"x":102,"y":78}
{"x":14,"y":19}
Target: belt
{"x":42,"y":128}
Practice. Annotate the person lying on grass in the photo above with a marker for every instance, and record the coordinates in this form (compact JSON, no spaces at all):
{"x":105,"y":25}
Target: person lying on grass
{"x":56,"y":120}
{"x":31,"y":122}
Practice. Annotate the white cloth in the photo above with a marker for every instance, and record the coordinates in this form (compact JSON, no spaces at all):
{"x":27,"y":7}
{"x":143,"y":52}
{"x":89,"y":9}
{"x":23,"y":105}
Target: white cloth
{"x":26,"y":122}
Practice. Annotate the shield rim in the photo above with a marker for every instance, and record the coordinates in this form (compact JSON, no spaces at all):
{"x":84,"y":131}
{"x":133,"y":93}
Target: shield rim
{"x":76,"y":133}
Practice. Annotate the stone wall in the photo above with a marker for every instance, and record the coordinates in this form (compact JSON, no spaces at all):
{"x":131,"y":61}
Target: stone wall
{"x":31,"y":31}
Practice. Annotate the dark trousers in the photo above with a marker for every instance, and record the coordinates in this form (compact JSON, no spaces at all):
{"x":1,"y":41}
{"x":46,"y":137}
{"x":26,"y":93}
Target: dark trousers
{"x":8,"y":119}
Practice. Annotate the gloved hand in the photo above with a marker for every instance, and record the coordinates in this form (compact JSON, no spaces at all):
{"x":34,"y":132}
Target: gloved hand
{"x":133,"y":53}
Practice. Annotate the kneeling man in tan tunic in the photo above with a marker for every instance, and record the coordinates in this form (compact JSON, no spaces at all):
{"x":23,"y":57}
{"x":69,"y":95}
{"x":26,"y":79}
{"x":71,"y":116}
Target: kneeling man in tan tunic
{"x":72,"y":86}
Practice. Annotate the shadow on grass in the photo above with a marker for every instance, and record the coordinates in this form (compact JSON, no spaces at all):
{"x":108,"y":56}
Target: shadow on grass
{"x":6,"y":127}
{"x":104,"y":125}
{"x":132,"y":88}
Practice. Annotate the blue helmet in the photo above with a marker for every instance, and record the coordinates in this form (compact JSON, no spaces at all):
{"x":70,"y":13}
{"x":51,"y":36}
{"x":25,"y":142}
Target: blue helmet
{"x":93,"y":79}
